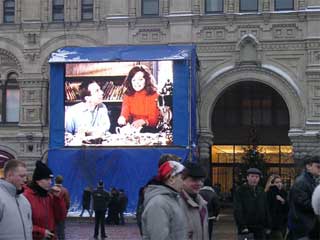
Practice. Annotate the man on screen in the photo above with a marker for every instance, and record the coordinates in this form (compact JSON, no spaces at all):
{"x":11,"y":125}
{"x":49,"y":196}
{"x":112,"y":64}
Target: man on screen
{"x":89,"y":117}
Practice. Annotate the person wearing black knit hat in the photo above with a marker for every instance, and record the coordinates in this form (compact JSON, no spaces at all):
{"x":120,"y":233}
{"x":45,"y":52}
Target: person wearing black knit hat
{"x":44,"y":199}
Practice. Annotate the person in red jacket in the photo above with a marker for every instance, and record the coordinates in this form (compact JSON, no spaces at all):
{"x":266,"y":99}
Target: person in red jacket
{"x":139,"y":104}
{"x":47,"y":204}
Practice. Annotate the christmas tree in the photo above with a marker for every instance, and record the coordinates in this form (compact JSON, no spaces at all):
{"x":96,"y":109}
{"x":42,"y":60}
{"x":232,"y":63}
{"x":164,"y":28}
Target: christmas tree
{"x":252,"y":158}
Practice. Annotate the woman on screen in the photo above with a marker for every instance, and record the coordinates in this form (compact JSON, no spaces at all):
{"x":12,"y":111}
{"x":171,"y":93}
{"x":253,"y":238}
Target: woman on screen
{"x":139,"y":105}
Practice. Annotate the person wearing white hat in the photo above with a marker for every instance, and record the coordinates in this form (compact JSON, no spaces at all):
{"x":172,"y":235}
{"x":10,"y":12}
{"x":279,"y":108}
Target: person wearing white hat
{"x":163,"y":217}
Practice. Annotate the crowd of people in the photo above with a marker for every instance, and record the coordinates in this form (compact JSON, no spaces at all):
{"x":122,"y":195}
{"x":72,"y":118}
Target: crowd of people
{"x":178,"y":203}
{"x":187,"y":204}
{"x":101,"y":202}
{"x":274,"y":214}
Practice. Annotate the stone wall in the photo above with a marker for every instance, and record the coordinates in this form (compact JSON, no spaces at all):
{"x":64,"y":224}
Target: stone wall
{"x":271,"y":47}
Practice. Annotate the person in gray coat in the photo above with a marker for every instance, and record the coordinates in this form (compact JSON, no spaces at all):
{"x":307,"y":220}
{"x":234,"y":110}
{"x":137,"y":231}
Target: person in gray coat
{"x":193,"y":204}
{"x":15,"y":210}
{"x":162,"y":217}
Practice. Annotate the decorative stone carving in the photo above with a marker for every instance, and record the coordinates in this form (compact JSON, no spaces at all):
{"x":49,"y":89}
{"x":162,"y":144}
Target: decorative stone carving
{"x":149,"y":35}
{"x":8,"y":59}
{"x":249,"y":30}
{"x":266,"y":5}
{"x":316,"y":91}
{"x":284,"y":31}
{"x":314,"y":57}
{"x":165,"y":9}
{"x":31,"y":37}
{"x":29,"y":96}
{"x":31,"y":55}
{"x":283,"y":46}
{"x":230,"y":6}
{"x":315,"y":108}
{"x":208,"y":33}
{"x":216,"y":48}
{"x":31,"y":114}
{"x":196,"y":7}
{"x":248,"y":50}
{"x":301,"y":4}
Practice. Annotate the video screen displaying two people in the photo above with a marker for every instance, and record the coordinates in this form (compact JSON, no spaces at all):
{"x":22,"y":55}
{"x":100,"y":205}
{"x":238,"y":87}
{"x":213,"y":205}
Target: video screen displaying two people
{"x":119,"y":103}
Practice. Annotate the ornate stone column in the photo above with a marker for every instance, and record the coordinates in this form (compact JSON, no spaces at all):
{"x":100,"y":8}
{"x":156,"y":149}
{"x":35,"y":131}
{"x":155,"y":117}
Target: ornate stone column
{"x":205,"y":142}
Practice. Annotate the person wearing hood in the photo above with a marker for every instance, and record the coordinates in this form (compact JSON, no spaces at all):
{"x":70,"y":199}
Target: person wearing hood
{"x":101,"y":199}
{"x":15,"y":210}
{"x":47,"y":204}
{"x":163,"y":217}
{"x":193,"y":204}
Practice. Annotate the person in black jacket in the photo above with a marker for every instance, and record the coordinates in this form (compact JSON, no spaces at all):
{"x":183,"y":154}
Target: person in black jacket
{"x":101,"y":200}
{"x":278,"y":207}
{"x":113,"y":212}
{"x":213,"y":204}
{"x":123,"y":202}
{"x":86,"y":201}
{"x":302,"y":222}
{"x":250,"y":207}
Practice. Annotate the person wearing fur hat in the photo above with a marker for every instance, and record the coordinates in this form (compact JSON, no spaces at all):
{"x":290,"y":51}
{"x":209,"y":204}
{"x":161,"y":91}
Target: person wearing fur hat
{"x":193,"y":204}
{"x":302,"y":221}
{"x":47,"y":204}
{"x":163,"y":217}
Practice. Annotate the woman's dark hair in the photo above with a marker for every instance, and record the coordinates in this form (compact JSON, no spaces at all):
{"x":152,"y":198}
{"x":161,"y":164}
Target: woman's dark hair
{"x":149,"y":84}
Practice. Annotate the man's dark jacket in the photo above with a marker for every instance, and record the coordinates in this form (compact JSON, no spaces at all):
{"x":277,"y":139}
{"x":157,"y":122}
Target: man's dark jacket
{"x":302,"y":219}
{"x":101,"y":199}
{"x":250,"y":208}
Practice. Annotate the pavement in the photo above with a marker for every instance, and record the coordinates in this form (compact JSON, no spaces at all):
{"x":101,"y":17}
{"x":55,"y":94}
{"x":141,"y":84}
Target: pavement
{"x":83,"y":228}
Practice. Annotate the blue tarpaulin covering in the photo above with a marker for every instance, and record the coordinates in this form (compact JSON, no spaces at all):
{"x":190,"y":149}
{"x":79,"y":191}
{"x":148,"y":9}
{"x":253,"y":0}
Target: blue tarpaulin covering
{"x":120,"y":167}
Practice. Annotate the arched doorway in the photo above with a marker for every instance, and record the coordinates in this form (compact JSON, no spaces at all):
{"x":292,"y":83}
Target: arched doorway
{"x":4,"y":156}
{"x":249,"y":113}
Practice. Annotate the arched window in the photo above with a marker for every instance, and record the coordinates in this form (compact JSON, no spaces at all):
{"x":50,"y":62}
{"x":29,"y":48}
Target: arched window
{"x":8,"y":11}
{"x":87,"y":9}
{"x":10,"y":100}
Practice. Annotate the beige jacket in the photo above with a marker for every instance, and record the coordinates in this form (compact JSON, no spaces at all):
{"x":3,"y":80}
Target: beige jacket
{"x":197,"y":216}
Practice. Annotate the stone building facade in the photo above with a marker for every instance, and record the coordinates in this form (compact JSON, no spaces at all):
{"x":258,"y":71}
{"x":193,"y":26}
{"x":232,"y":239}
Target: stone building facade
{"x":280,"y":48}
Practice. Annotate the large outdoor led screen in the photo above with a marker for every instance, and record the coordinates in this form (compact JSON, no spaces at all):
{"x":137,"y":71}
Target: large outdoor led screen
{"x":119,"y":103}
